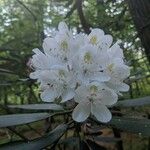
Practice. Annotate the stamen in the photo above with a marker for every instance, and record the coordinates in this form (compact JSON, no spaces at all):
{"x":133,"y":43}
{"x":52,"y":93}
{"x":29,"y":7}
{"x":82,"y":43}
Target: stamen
{"x":88,"y":58}
{"x":93,"y":40}
{"x":64,"y":45}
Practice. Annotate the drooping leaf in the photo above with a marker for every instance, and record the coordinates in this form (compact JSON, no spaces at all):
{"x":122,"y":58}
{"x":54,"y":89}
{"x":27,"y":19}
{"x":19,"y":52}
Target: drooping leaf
{"x":138,"y":126}
{"x":95,"y":146}
{"x":38,"y":106}
{"x":105,"y":139}
{"x":5,"y":70}
{"x":19,"y":119}
{"x":134,"y":102}
{"x":94,"y":130}
{"x":24,"y":79}
{"x":70,"y":142}
{"x":5,"y":84}
{"x":83,"y":145}
{"x":39,"y":143}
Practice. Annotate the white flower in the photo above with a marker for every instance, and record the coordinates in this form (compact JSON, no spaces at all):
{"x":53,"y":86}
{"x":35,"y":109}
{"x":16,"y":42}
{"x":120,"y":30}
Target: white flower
{"x":116,"y":69}
{"x":55,"y":90}
{"x":41,"y":62}
{"x":56,"y":83}
{"x":94,"y":98}
{"x":118,"y":73}
{"x":99,"y":39}
{"x":61,"y":45}
{"x":86,"y":68}
{"x":55,"y":77}
{"x":50,"y":91}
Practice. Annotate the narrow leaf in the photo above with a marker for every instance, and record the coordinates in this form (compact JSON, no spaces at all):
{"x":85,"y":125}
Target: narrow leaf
{"x":39,"y":143}
{"x":38,"y":106}
{"x":95,"y":146}
{"x":19,"y":119}
{"x":105,"y":139}
{"x":5,"y":70}
{"x":70,"y":141}
{"x":5,"y":84}
{"x":138,"y":126}
{"x":134,"y":102}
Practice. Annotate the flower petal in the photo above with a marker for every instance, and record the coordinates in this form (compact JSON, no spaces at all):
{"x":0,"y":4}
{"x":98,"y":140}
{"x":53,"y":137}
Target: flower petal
{"x":35,"y":74}
{"x":101,"y":112}
{"x":120,"y":86}
{"x":49,"y":95}
{"x":48,"y":45}
{"x":81,"y":112}
{"x":123,"y":87}
{"x":108,"y":97}
{"x":122,"y":71}
{"x":115,"y":51}
{"x":106,"y":42}
{"x":100,"y":77}
{"x":96,"y":32}
{"x":62,"y":26}
{"x":81,"y":94}
{"x":68,"y":95}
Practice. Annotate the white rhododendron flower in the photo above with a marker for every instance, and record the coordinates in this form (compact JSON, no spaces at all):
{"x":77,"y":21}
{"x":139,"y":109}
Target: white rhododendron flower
{"x":88,"y":69}
{"x":93,"y":98}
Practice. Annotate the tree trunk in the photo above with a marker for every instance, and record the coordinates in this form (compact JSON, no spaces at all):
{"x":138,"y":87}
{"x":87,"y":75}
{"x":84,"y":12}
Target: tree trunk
{"x":140,"y":11}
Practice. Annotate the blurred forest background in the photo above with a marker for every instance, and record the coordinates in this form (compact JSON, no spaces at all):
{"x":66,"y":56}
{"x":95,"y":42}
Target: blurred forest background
{"x":25,"y":23}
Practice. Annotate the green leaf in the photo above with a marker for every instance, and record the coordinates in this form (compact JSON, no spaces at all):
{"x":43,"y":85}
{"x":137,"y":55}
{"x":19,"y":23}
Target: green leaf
{"x":19,"y":119}
{"x":38,"y":106}
{"x":70,"y":141}
{"x":94,"y":146}
{"x":105,"y":139}
{"x":39,"y":143}
{"x":138,"y":126}
{"x":83,"y":145}
{"x":134,"y":102}
{"x":5,"y":70}
{"x":5,"y":84}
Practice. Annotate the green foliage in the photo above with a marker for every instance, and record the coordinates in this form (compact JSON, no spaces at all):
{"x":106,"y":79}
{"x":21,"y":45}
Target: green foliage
{"x":132,"y":125}
{"x":38,"y":107}
{"x":39,"y":143}
{"x":19,"y":119}
{"x":135,"y":102}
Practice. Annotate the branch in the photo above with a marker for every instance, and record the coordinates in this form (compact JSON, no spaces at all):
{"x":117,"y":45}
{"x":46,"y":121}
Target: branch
{"x":32,"y":14}
{"x":17,"y":133}
{"x":74,"y":7}
{"x":85,"y":25}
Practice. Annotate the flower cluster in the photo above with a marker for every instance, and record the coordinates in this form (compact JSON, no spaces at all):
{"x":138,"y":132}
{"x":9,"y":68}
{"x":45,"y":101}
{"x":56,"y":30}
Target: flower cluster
{"x":88,"y":69}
